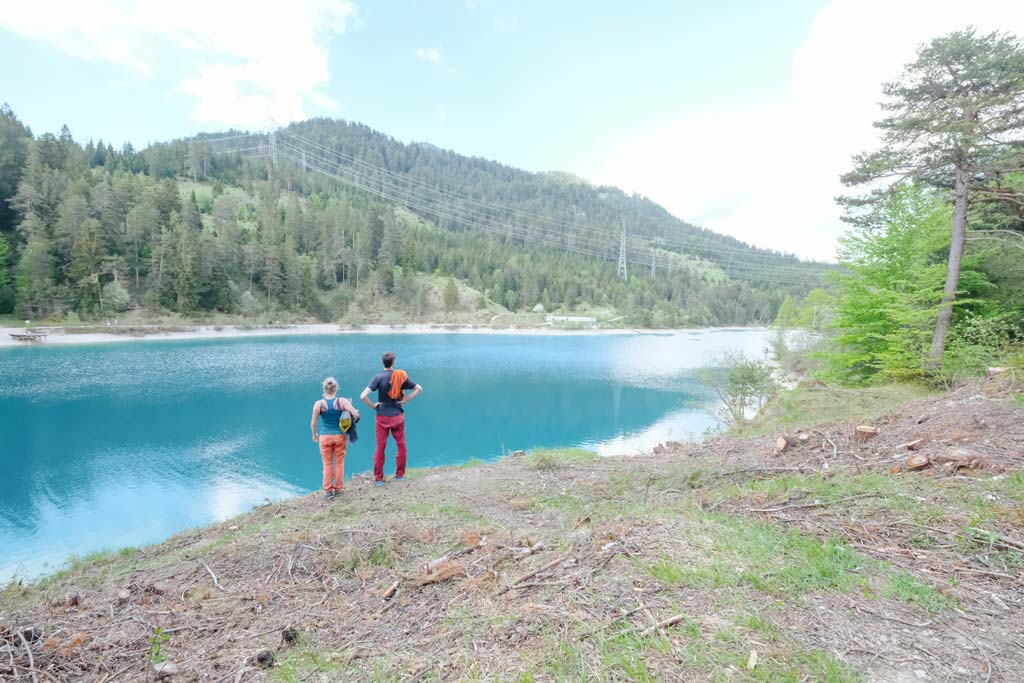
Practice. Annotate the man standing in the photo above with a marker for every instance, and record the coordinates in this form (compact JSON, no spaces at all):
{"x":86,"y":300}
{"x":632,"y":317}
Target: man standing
{"x":390,"y":386}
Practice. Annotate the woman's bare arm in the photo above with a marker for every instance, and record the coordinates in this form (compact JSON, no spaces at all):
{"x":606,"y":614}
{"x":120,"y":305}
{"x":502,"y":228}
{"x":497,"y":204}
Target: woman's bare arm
{"x":312,"y":424}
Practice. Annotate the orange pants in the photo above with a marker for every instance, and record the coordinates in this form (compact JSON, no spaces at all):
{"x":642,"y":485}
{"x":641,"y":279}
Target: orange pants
{"x":332,"y":452}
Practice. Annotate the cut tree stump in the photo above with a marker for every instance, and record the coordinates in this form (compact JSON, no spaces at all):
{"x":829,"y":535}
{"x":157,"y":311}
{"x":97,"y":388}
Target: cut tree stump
{"x":787,"y":441}
{"x":863,"y":433}
{"x":994,"y":372}
{"x":918,"y":462}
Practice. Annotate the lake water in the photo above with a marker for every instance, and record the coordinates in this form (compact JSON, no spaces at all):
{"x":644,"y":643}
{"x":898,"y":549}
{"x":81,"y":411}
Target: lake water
{"x":109,"y":445}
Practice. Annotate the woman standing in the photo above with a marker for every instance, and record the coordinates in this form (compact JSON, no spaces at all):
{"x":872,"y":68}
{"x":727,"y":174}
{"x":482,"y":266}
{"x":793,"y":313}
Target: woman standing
{"x":328,"y":425}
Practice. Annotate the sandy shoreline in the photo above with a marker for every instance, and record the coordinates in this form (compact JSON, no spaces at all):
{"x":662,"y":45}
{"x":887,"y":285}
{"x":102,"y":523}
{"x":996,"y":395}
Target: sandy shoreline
{"x":57,"y":335}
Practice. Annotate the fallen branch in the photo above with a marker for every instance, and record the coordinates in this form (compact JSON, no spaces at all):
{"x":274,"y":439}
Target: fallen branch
{"x":534,"y":584}
{"x":815,"y":504}
{"x":214,"y":577}
{"x":530,"y":575}
{"x":624,"y":615}
{"x":31,"y":659}
{"x":664,"y":623}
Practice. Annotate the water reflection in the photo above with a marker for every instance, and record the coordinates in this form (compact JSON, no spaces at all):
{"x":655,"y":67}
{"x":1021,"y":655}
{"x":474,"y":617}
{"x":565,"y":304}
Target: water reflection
{"x":107,"y":446}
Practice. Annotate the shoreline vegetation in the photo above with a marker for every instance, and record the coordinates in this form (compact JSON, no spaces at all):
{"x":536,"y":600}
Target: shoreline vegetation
{"x":167,"y":331}
{"x":714,"y":561}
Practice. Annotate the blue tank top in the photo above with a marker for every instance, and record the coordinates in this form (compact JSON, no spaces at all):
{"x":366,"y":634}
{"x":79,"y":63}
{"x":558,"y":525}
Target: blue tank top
{"x":329,"y":419}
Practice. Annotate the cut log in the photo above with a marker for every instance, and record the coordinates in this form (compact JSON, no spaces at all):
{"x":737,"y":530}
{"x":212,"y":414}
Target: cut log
{"x":165,"y":669}
{"x":918,"y":462}
{"x":864,"y":433}
{"x":441,"y":572}
{"x":781,"y":444}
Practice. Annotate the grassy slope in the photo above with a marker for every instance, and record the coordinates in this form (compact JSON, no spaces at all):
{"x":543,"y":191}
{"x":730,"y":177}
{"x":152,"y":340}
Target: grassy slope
{"x":813,"y":404}
{"x":819,"y":572}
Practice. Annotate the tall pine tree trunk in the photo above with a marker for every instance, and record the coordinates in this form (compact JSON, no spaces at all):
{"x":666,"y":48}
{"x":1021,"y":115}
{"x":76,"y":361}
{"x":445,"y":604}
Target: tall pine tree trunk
{"x":956,"y":253}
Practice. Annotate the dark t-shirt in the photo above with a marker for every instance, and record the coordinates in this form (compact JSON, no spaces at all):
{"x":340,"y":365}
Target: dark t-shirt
{"x":381,"y":383}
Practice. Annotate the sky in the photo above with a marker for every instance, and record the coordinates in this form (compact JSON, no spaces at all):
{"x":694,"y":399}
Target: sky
{"x":735,"y":115}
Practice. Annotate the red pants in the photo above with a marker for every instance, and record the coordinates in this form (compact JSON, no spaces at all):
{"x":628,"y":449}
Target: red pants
{"x":396,"y":426}
{"x":332,"y":452}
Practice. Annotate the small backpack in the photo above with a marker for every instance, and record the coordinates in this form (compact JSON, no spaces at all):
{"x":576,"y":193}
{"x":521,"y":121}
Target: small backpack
{"x":344,"y":420}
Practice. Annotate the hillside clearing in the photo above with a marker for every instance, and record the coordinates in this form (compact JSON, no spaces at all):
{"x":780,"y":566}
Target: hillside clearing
{"x":830,"y":561}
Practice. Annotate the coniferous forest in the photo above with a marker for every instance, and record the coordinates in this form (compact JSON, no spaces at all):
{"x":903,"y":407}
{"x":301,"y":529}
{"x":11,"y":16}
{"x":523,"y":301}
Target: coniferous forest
{"x":350,"y":224}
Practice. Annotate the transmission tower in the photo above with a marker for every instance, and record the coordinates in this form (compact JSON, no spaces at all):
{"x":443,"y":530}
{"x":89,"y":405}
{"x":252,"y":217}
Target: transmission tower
{"x":622,"y":254}
{"x":273,"y":145}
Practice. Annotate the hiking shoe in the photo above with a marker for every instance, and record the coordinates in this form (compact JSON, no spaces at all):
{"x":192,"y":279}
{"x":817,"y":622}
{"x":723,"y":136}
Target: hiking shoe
{"x":378,"y":483}
{"x":328,"y":495}
{"x":399,"y":478}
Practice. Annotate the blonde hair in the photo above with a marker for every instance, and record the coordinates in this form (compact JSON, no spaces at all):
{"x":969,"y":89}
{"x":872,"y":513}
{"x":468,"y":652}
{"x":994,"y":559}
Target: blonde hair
{"x":330,"y":385}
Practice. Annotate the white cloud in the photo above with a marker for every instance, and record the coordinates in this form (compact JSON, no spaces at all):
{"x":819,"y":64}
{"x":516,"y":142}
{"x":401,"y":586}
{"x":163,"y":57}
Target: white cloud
{"x":769,"y":174}
{"x":442,"y":115}
{"x":429,"y":54}
{"x":241,"y":61}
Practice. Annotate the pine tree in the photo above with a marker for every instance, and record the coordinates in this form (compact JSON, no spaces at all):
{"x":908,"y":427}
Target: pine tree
{"x":451,"y":295}
{"x":181,"y":275}
{"x":87,"y":266}
{"x":34,"y":277}
{"x":956,"y":119}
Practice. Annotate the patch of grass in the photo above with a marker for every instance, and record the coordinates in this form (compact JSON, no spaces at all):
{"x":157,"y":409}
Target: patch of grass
{"x":787,"y":563}
{"x":380,"y":554}
{"x":565,"y":661}
{"x":89,"y":569}
{"x":564,"y":502}
{"x":300,"y":664}
{"x":908,"y":588}
{"x":715,"y":575}
{"x":553,"y":458}
{"x":882,"y":491}
{"x":625,"y":654}
{"x":1019,"y":399}
{"x":681,"y":477}
{"x":346,"y":561}
{"x":688,"y":653}
{"x":779,"y":561}
{"x":443,"y":510}
{"x":813,"y":404}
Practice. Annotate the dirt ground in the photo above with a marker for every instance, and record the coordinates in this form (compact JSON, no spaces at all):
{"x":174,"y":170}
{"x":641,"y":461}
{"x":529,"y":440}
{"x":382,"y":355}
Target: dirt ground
{"x":832,"y":559}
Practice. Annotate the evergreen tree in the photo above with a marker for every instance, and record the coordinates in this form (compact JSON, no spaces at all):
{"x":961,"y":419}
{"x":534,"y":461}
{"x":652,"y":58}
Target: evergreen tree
{"x":956,"y":119}
{"x":15,"y":140}
{"x":86,"y":267}
{"x":34,"y":278}
{"x":451,"y":295}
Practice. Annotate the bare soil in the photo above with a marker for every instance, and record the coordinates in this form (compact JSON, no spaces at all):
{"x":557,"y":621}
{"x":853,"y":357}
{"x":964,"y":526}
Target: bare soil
{"x":830,"y":561}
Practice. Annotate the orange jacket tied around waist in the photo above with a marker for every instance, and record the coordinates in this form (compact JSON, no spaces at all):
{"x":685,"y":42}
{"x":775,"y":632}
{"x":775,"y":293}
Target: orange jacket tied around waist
{"x":398,"y":378}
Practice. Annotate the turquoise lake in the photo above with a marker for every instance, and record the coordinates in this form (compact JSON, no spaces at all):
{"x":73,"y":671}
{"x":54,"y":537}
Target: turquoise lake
{"x":111,"y":445}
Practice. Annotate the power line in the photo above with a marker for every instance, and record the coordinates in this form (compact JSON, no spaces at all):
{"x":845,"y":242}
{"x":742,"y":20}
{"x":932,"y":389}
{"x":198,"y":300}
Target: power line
{"x":413,"y":201}
{"x":622,"y":253}
{"x":453,"y":213}
{"x":228,"y":137}
{"x":412,"y":180}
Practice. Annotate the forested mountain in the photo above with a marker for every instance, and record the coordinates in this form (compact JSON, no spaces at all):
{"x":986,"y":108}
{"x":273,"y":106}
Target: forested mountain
{"x":346,"y":224}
